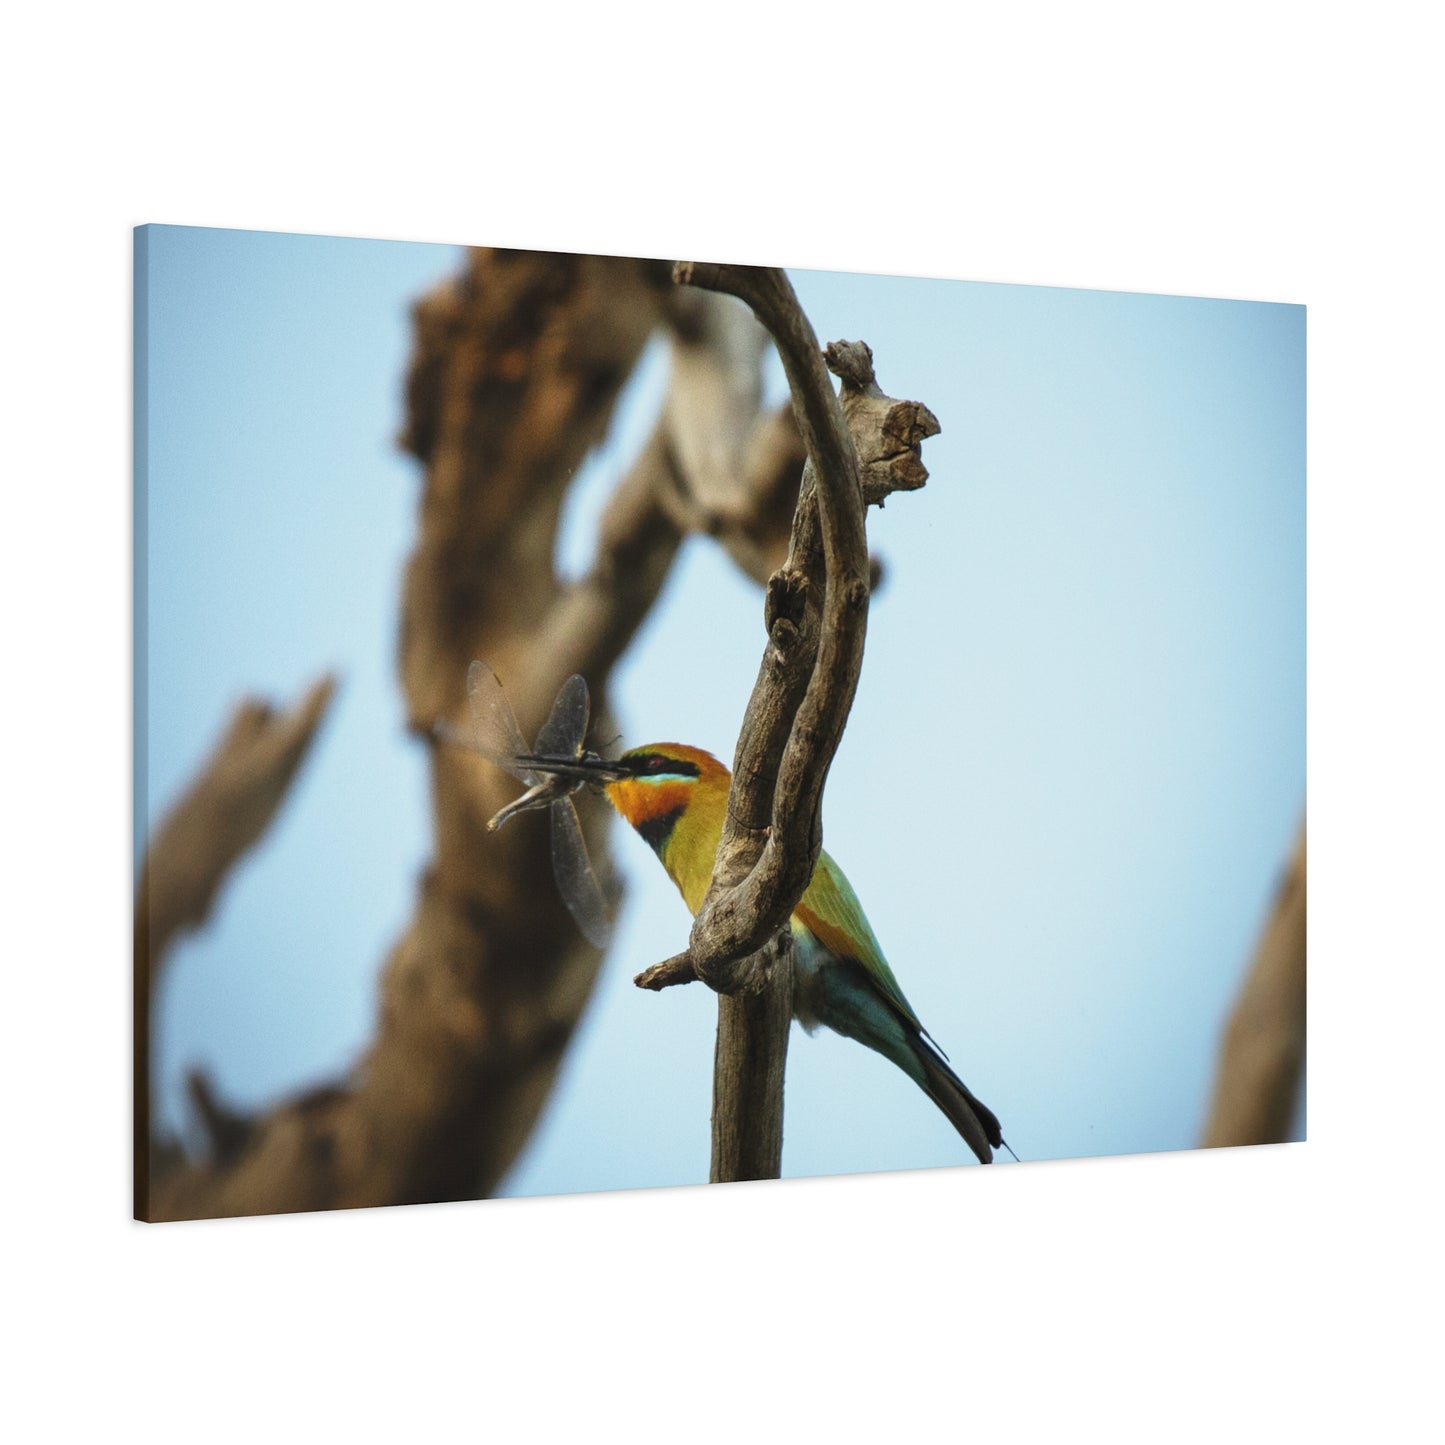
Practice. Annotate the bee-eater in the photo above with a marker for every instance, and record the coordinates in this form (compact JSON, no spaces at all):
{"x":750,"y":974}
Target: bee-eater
{"x":676,"y":796}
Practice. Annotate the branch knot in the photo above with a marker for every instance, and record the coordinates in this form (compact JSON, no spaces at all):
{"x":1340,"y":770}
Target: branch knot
{"x":787,"y":598}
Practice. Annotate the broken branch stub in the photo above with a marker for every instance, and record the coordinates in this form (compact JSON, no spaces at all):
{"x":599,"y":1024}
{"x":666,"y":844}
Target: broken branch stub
{"x":887,"y":433}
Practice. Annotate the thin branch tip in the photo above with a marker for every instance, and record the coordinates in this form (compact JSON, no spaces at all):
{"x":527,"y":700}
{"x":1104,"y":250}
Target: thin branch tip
{"x":670,"y":972}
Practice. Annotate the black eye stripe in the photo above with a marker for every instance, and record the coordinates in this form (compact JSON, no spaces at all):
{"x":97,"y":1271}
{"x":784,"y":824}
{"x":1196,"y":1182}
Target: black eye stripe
{"x":655,"y":764}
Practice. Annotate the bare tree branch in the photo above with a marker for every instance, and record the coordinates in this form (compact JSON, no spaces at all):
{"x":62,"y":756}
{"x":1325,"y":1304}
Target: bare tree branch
{"x":668,"y":974}
{"x":755,"y":526}
{"x":712,"y":465}
{"x":220,"y":816}
{"x":517,"y":366}
{"x":801,"y":699}
{"x":717,"y":360}
{"x":749,"y":1061}
{"x":211,"y":826}
{"x":1262,"y":1056}
{"x":795,"y":717}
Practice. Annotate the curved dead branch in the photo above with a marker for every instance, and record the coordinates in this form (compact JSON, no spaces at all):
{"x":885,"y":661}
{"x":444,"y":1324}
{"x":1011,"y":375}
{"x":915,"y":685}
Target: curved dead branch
{"x":810,"y":669}
{"x":816,"y":613}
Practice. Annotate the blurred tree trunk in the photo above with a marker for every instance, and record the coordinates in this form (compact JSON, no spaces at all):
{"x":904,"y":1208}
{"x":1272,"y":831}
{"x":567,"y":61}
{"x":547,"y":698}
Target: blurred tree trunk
{"x":516,"y":370}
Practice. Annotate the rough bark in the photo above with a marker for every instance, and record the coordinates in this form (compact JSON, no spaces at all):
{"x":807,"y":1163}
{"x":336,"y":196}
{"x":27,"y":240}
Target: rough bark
{"x":1262,"y":1057}
{"x":749,"y":1063}
{"x":516,"y":369}
{"x":816,"y":614}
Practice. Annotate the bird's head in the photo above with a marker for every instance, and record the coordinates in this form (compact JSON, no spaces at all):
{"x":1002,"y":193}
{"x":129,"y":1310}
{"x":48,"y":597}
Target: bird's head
{"x":652,"y":786}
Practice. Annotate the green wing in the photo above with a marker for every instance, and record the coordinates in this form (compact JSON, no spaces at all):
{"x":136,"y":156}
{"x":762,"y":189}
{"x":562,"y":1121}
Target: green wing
{"x":830,"y":910}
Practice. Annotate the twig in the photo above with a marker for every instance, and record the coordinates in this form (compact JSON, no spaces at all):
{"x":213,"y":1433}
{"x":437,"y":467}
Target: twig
{"x":667,"y":974}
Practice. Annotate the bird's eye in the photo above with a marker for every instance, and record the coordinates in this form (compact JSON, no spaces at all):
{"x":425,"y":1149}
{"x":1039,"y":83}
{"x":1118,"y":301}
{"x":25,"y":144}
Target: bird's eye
{"x":657,"y":763}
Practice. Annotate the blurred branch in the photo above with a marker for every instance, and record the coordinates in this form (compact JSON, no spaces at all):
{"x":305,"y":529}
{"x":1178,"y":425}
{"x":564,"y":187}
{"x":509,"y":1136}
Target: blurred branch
{"x":1262,"y":1056}
{"x":517,"y":367}
{"x":223,"y":813}
{"x":227,"y":1130}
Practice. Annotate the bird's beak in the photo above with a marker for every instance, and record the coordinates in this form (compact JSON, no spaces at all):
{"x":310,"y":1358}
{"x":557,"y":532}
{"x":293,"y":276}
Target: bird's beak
{"x":589,"y":768}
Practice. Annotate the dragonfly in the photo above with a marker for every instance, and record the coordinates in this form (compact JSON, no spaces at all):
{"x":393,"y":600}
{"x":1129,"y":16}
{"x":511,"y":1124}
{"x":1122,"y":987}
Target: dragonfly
{"x":498,"y":738}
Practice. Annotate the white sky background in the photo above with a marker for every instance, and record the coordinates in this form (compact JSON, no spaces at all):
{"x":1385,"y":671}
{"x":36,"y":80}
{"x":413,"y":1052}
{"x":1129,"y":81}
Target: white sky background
{"x":1073,"y":771}
{"x":1247,"y":150}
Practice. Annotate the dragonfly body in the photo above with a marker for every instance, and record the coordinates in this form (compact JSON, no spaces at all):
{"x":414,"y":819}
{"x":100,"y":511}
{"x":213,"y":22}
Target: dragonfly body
{"x":539,"y":795}
{"x":676,"y":797}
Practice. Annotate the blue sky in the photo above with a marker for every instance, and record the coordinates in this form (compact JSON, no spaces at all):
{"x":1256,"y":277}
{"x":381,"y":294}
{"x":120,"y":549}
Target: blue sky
{"x":1071,"y":776}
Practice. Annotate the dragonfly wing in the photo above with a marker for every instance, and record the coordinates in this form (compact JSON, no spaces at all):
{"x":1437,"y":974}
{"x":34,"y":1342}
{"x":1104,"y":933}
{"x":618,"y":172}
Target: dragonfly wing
{"x":494,"y":725}
{"x":566,"y":725}
{"x":576,"y":879}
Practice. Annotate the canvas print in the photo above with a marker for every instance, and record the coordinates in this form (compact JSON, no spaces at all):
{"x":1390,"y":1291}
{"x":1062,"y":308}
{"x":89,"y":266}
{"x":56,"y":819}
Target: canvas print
{"x":557,"y":675}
